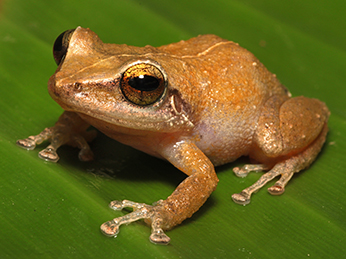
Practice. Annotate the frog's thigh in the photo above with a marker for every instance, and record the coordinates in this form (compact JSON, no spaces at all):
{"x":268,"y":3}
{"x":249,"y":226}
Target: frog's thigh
{"x":301,"y":122}
{"x":288,"y":127}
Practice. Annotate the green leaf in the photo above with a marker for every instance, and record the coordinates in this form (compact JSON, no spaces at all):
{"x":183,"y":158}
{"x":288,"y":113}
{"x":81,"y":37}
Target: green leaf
{"x":55,"y":210}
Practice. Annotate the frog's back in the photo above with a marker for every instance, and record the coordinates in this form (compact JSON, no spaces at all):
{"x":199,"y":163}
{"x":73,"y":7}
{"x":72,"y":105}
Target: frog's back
{"x":194,"y":46}
{"x":226,"y":86}
{"x":221,"y":59}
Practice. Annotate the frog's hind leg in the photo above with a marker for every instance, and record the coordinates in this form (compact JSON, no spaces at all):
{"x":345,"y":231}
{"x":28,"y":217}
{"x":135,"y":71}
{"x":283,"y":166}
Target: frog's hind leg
{"x":244,"y":196}
{"x":285,"y":168}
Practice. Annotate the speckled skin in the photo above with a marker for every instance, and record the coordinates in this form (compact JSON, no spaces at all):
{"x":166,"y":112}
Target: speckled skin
{"x":220,"y":103}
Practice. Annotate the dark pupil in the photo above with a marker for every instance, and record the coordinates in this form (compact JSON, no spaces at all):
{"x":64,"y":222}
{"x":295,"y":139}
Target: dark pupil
{"x":144,"y":83}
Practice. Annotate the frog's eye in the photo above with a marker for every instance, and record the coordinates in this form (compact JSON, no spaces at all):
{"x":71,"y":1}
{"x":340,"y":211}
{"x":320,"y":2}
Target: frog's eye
{"x":60,"y":46}
{"x":142,"y":84}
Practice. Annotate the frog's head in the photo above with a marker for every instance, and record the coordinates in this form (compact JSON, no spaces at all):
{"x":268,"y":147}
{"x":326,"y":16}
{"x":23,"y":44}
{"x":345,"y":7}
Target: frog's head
{"x":119,"y":84}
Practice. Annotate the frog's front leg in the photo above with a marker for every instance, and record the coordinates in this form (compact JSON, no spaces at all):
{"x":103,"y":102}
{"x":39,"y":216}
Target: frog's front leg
{"x":289,"y":137}
{"x":187,"y":198}
{"x":70,"y":129}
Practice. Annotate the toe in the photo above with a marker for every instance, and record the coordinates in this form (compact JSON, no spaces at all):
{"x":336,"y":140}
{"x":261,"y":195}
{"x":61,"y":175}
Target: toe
{"x":110,"y":228}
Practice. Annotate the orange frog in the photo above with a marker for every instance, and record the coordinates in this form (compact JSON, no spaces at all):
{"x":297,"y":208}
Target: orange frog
{"x":197,"y":103}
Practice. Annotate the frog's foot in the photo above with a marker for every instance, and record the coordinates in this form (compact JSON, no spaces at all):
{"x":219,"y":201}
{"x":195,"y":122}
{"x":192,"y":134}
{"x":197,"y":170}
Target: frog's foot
{"x":285,"y":168}
{"x":140,"y":211}
{"x":246,"y":169}
{"x":58,"y":137}
{"x":70,"y":130}
{"x":49,"y":153}
{"x":278,"y":188}
{"x":30,"y":142}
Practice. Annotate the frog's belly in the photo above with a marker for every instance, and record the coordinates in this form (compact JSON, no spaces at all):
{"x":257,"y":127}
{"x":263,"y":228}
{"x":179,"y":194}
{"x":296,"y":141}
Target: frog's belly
{"x":224,"y":144}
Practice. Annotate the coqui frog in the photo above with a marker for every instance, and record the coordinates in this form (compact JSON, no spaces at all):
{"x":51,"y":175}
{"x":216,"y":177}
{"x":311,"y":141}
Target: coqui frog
{"x":198,"y":103}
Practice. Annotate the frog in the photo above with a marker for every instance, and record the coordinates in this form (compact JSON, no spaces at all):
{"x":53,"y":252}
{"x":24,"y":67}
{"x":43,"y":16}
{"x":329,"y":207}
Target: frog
{"x":197,"y":103}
